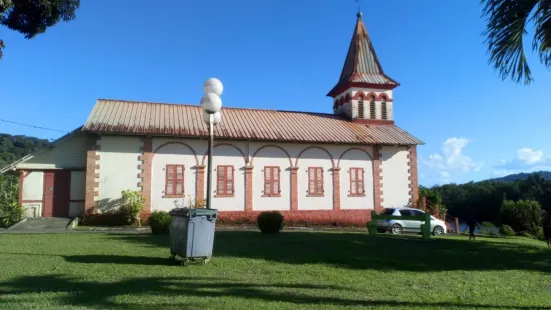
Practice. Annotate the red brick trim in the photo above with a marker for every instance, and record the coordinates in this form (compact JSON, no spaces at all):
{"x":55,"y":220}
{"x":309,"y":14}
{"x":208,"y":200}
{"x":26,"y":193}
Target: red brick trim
{"x":200,"y":186}
{"x":352,"y":149}
{"x":336,"y":189}
{"x":92,"y":172}
{"x":21,"y":181}
{"x":358,"y":218}
{"x":249,"y":188}
{"x":146,"y":163}
{"x":374,"y":121}
{"x":182,"y":143}
{"x":226,"y":144}
{"x":316,"y":147}
{"x":348,"y":85}
{"x":358,"y":94}
{"x":276,"y":146}
{"x":377,"y":179}
{"x":384,"y":96}
{"x":294,"y":188}
{"x":414,"y":181}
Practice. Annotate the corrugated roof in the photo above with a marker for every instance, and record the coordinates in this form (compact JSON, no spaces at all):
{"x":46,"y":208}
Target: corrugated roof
{"x":142,"y":118}
{"x":361,"y":64}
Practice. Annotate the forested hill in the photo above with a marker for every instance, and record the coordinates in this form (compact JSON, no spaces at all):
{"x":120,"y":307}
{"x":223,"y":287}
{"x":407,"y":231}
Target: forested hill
{"x":522,"y":176}
{"x":15,"y":147}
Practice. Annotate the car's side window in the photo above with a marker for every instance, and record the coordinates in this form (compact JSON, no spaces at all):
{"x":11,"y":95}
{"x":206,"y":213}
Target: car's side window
{"x":418,"y":213}
{"x":405,"y":213}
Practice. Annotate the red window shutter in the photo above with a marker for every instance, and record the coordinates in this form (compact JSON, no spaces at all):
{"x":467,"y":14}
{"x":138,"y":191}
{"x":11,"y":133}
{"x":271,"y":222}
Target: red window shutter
{"x":267,"y":181}
{"x":220,"y":171}
{"x":275,"y":180}
{"x":360,"y":176}
{"x":230,"y":179}
{"x":353,"y":181}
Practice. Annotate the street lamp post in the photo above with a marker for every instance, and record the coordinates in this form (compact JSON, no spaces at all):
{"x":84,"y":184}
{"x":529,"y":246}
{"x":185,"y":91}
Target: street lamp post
{"x":211,"y":104}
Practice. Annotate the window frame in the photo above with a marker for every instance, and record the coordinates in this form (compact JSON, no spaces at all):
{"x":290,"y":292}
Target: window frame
{"x":174,"y":180}
{"x":223,"y":192}
{"x":361,"y":114}
{"x":354,"y":183}
{"x":319,"y":190}
{"x":271,"y":181}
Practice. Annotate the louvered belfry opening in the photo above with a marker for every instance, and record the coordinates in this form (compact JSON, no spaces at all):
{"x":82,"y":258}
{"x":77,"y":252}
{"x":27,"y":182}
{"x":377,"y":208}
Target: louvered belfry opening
{"x":383,"y":109}
{"x":372,"y":107}
{"x":361,"y":107}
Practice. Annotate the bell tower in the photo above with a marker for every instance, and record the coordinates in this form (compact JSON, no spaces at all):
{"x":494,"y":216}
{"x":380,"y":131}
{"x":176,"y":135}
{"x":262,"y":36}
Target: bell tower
{"x":363,"y":92}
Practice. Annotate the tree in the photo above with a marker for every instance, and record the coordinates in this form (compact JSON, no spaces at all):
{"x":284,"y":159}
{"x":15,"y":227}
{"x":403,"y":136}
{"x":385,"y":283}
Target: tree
{"x":32,"y":17}
{"x":506,"y":23}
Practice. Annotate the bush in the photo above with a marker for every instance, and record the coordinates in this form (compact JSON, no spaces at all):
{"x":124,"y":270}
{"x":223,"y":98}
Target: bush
{"x":270,"y":222}
{"x":10,"y":210}
{"x":131,"y":207}
{"x":506,"y":230}
{"x":521,"y":215}
{"x":159,"y":221}
{"x":487,"y":228}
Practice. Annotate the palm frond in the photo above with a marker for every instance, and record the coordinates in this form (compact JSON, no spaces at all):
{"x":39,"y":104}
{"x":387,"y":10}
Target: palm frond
{"x":542,"y":36}
{"x":505,"y":29}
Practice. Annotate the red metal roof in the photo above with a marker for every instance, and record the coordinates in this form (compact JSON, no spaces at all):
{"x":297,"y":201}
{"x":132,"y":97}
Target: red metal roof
{"x":142,"y":118}
{"x":361,"y":64}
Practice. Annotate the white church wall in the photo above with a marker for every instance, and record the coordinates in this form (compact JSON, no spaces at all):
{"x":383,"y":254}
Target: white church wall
{"x":270,"y":155}
{"x":356,"y":158}
{"x":315,"y":156}
{"x":395,"y":176}
{"x":231,"y":154}
{"x":118,"y":162}
{"x":33,"y":188}
{"x":174,"y":152}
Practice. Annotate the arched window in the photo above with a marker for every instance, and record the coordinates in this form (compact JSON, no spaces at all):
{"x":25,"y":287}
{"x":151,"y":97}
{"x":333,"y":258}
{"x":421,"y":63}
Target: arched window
{"x":383,"y":109}
{"x":361,"y":107}
{"x":348,"y":98}
{"x":335,"y":103}
{"x":372,"y":107}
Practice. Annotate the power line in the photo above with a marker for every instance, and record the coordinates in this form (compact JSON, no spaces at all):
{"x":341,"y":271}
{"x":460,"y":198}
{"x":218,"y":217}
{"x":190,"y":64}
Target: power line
{"x":37,"y":127}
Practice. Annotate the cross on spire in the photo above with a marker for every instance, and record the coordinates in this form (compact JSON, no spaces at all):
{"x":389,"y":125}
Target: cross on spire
{"x":359,"y":14}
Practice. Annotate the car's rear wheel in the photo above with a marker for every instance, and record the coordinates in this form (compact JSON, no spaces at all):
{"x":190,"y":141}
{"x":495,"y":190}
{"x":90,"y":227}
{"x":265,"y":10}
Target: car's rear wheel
{"x":396,"y":229}
{"x":381,"y":230}
{"x":438,"y":230}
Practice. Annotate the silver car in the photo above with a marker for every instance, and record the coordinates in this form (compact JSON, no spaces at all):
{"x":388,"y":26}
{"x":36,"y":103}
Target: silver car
{"x":438,"y":227}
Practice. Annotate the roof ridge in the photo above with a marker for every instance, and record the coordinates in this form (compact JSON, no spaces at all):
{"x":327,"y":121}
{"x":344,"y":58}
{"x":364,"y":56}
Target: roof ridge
{"x":198,"y":106}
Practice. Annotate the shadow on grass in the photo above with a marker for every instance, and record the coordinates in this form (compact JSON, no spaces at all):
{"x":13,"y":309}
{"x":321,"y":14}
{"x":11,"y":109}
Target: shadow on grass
{"x":74,"y":292}
{"x":360,"y":251}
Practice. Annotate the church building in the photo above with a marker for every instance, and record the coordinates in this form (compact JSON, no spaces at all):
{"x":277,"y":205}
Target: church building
{"x":314,"y":167}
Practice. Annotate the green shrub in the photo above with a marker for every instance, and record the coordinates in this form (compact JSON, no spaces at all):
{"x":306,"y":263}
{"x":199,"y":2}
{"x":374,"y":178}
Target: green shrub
{"x":506,"y":230}
{"x":270,"y":222}
{"x":10,"y":210}
{"x":487,"y":228}
{"x":160,"y":222}
{"x":132,"y":205}
{"x":536,"y":231}
{"x":520,"y":215}
{"x":525,"y":234}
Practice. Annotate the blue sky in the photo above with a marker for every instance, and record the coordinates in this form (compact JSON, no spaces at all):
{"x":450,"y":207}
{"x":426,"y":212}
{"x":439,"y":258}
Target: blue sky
{"x":287,"y":54}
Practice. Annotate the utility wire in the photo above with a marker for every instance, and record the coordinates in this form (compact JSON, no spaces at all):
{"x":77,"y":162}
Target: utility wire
{"x":37,"y":127}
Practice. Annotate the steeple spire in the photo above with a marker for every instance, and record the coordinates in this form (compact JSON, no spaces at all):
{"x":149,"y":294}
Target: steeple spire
{"x":362,"y":67}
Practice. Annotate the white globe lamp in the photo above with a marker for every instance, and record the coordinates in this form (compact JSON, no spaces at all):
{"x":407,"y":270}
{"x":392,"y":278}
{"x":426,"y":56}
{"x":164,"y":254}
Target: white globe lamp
{"x":213,"y":85}
{"x":211,"y":103}
{"x":216,"y":117}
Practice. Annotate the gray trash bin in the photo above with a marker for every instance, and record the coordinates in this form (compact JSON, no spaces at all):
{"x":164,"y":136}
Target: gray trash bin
{"x":192,"y":234}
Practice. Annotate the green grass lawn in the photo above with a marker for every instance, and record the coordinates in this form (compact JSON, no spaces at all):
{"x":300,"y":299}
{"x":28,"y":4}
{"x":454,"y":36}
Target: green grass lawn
{"x":310,"y":270}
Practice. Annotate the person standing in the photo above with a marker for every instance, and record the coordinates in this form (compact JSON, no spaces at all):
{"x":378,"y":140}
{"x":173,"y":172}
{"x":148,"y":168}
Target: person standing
{"x":471,"y":224}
